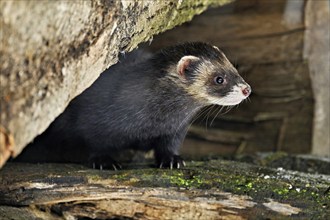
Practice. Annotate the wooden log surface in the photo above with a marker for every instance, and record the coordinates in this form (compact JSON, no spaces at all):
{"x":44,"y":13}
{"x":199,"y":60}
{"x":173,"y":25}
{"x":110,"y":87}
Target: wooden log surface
{"x":215,"y":189}
{"x":52,"y":50}
{"x":203,"y":190}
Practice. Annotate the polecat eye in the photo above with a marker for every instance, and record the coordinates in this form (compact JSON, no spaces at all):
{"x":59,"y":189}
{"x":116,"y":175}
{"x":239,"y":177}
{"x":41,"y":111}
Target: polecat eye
{"x":218,"y":80}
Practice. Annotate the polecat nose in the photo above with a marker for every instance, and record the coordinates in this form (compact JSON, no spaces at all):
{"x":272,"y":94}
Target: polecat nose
{"x":246,"y":90}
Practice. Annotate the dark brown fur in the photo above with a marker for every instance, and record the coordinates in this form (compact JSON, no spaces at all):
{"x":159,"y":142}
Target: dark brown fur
{"x":144,"y":104}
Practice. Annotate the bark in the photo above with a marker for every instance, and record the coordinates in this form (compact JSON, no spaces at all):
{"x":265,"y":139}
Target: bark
{"x":52,"y":50}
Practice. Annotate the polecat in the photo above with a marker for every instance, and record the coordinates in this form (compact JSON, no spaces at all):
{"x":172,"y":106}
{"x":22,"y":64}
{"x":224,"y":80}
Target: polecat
{"x":146,"y":102}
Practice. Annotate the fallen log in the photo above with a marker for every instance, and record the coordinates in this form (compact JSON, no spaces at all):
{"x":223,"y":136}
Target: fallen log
{"x":215,"y":189}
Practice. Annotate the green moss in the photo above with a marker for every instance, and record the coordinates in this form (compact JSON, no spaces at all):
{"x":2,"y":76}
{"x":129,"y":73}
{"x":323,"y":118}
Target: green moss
{"x":168,"y":17}
{"x":239,"y":178}
{"x":309,"y":193}
{"x":181,"y":180}
{"x":281,"y":191}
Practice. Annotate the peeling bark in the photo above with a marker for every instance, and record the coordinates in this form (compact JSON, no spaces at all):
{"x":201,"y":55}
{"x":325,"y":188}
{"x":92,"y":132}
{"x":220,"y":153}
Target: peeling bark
{"x":214,"y":189}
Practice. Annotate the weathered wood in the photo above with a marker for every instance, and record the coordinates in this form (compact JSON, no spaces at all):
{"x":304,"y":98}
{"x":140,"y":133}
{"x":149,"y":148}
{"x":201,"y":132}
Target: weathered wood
{"x":204,"y":190}
{"x":317,"y":52}
{"x":52,"y":50}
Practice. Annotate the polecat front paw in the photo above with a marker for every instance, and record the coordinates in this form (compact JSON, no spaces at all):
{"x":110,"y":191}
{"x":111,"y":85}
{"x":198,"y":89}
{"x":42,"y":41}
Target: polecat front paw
{"x":103,"y":162}
{"x":173,"y":161}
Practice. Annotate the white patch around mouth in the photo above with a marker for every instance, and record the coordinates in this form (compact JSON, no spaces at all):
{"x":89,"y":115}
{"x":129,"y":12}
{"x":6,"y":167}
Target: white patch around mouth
{"x":234,"y":97}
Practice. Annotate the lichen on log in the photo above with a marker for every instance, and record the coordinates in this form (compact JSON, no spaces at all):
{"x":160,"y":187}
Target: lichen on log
{"x":203,"y":190}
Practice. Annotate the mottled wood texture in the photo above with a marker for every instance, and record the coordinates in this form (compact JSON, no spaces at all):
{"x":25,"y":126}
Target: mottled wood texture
{"x":268,"y":53}
{"x":204,"y":190}
{"x":52,"y":50}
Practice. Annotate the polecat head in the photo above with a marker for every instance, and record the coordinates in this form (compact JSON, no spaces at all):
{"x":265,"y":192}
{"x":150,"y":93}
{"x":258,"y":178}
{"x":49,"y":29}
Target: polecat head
{"x":205,"y":73}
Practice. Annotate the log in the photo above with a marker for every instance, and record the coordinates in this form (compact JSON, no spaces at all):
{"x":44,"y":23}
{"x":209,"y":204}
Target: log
{"x":215,"y":189}
{"x":52,"y":50}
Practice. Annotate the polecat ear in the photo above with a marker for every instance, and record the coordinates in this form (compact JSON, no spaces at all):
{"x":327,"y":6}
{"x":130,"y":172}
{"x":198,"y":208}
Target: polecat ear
{"x":217,"y":48}
{"x":186,"y":64}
